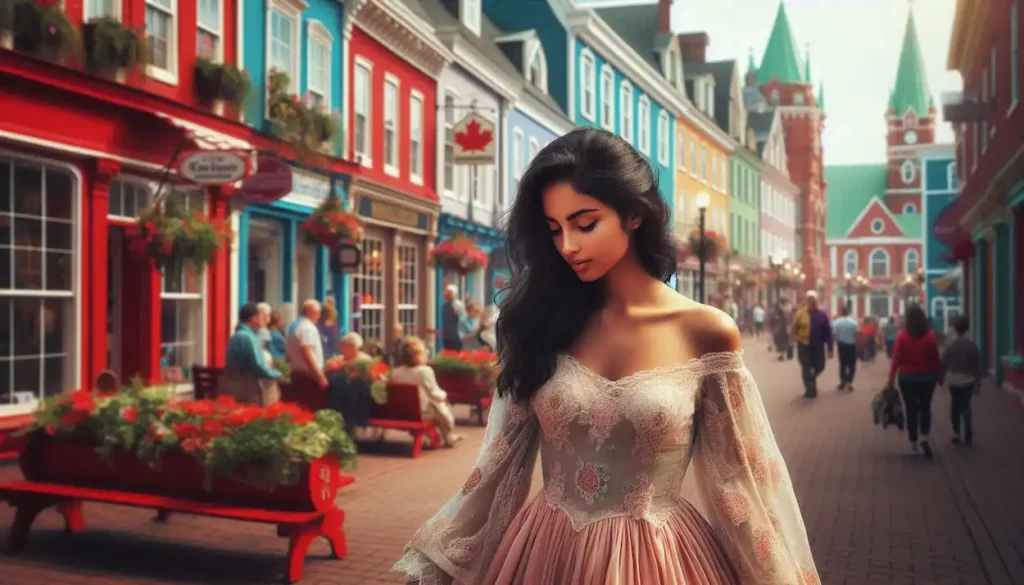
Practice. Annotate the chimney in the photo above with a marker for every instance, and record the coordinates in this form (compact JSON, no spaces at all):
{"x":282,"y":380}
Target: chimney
{"x":665,"y":16}
{"x":694,"y":46}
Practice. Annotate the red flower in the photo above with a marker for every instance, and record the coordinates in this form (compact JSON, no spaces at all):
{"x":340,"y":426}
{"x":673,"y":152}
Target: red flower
{"x":50,"y":429}
{"x":130,"y":414}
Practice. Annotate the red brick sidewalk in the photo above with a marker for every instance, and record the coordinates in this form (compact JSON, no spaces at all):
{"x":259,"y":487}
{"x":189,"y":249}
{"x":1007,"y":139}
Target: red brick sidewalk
{"x":874,"y":513}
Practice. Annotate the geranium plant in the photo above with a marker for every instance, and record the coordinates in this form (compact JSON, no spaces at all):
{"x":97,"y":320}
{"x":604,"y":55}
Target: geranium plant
{"x":480,"y":363}
{"x":261,"y":446}
{"x":300,"y":121}
{"x":169,"y":235}
{"x":711,"y":248}
{"x":330,"y":225}
{"x":460,"y":254}
{"x":373,"y":372}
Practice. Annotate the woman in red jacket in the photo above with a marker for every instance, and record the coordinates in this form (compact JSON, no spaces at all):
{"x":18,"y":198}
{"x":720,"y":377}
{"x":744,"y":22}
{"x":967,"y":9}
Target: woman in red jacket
{"x":915,"y":361}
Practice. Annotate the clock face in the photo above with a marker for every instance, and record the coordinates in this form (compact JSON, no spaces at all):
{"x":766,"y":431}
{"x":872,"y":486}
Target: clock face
{"x":910,"y":137}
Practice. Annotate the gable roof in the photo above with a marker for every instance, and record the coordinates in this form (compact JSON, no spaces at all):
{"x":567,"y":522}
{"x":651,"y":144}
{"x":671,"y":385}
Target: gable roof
{"x":761,"y":123}
{"x":912,"y":224}
{"x":722,"y":71}
{"x":849,"y":192}
{"x":638,"y":27}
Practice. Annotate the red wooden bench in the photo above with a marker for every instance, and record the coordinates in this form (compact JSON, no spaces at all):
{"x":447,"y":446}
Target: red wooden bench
{"x":302,"y":528}
{"x":465,"y":389}
{"x":404,"y":413}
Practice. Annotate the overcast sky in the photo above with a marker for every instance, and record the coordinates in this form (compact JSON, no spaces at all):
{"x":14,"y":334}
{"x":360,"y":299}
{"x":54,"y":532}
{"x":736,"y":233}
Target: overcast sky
{"x":855,"y":48}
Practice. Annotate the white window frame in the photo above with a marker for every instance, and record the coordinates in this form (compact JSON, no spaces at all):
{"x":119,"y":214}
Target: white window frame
{"x":626,"y":120}
{"x":871,"y":263}
{"x":293,"y":10}
{"x":534,"y":148}
{"x":694,"y":162}
{"x":681,"y":141}
{"x":319,"y":35}
{"x":850,"y":259}
{"x":407,"y":256}
{"x":218,"y":32}
{"x":643,"y":115}
{"x":518,"y":145}
{"x":588,"y":84}
{"x":537,"y":50}
{"x":367,"y":148}
{"x":704,"y":163}
{"x":170,"y":74}
{"x":908,"y":172}
{"x":909,"y":208}
{"x":607,"y":98}
{"x":116,"y":7}
{"x":664,"y":147}
{"x":416,"y":103}
{"x":448,"y":121}
{"x":1014,"y":58}
{"x":951,"y":177}
{"x":391,"y":80}
{"x":879,"y":223}
{"x":906,"y":261}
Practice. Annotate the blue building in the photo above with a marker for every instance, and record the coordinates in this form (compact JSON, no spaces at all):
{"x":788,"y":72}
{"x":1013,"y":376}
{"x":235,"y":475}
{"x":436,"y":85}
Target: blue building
{"x":304,"y":40}
{"x":943,"y":294}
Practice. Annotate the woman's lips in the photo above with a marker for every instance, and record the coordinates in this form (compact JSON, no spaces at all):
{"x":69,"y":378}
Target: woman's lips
{"x":581,"y":265}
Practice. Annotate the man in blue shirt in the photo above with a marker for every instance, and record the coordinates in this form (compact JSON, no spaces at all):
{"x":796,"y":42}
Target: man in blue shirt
{"x":245,"y":350}
{"x":845,"y":331}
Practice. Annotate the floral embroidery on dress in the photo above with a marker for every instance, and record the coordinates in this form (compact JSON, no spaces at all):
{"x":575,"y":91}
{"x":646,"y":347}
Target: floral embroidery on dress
{"x":736,"y":400}
{"x":472,"y":481}
{"x":591,"y":481}
{"x":603,"y":415}
{"x":462,"y":551}
{"x":554,"y":491}
{"x":650,"y":429}
{"x":497,"y":450}
{"x":640,"y":494}
{"x":764,"y":546}
{"x":733,"y":505}
{"x":808,"y":576}
{"x":559,"y":416}
{"x":775,"y":470}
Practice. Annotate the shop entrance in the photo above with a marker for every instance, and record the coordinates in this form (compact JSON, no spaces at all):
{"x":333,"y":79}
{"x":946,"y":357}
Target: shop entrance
{"x":266,"y":240}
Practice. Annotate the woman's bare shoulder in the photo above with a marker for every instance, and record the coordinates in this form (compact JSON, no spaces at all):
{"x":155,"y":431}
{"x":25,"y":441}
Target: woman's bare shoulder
{"x":708,"y":329}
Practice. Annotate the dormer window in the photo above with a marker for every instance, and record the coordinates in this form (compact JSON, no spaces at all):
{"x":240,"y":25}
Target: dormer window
{"x":469,"y":12}
{"x":709,"y":99}
{"x":537,"y":70}
{"x":671,"y":67}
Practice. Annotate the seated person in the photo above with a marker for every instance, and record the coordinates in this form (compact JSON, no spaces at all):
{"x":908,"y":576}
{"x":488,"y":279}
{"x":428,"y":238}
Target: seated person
{"x":413,"y":369}
{"x":351,"y":347}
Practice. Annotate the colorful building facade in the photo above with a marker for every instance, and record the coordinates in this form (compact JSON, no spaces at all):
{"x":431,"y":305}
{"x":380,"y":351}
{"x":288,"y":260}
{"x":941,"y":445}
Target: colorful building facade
{"x":942,"y":286}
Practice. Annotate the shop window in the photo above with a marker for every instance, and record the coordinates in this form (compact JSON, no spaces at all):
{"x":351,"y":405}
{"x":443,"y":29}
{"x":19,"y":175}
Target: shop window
{"x":127,"y":199}
{"x":368,"y":284}
{"x":408,"y":287}
{"x":879,"y":304}
{"x":362,"y":88}
{"x":879,"y":263}
{"x":37,"y":287}
{"x":209,"y":30}
{"x":416,"y":138}
{"x":182,"y":312}
{"x":162,"y":39}
{"x":283,"y":39}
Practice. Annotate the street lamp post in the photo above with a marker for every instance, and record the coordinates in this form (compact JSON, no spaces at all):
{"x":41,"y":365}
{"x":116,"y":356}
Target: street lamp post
{"x":703,"y":200}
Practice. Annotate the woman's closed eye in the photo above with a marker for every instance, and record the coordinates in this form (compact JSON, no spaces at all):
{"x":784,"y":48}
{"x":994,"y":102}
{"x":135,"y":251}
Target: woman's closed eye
{"x":589,"y":227}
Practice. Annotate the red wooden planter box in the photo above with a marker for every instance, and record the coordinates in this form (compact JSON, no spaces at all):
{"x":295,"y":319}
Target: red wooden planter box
{"x":466,"y":388}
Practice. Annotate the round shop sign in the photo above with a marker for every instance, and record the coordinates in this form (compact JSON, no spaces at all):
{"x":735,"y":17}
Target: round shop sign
{"x":271,"y":181}
{"x":213,"y":167}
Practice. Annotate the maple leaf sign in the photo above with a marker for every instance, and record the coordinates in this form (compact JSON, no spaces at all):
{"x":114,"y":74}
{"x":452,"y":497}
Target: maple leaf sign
{"x":473,"y":139}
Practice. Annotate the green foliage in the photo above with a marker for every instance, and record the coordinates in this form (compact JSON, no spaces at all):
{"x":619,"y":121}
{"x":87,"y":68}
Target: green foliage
{"x":169,"y":235}
{"x":222,"y":81}
{"x":297,"y":120}
{"x":110,"y":45}
{"x":282,"y":365}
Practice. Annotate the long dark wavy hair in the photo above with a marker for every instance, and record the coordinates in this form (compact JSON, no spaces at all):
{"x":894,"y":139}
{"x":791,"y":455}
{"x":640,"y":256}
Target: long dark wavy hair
{"x":545,"y":305}
{"x":915,"y":321}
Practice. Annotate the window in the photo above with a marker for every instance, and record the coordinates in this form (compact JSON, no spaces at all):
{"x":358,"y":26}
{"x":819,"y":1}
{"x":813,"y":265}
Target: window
{"x":709,"y":99}
{"x":799,"y":99}
{"x":318,"y":60}
{"x":161,"y":39}
{"x":408,"y":287}
{"x":362,"y":87}
{"x":534,"y":148}
{"x":38,"y":335}
{"x":908,"y":172}
{"x":693,"y":156}
{"x":626,"y":111}
{"x":607,"y":98}
{"x":125,"y":199}
{"x":673,"y":66}
{"x":663,"y":140}
{"x":850,"y":262}
{"x":368,"y":284}
{"x":713,"y":179}
{"x":449,"y":142}
{"x":644,"y":123}
{"x":775,"y":96}
{"x":181,"y":305}
{"x":537,"y":72}
{"x":877,"y":226}
{"x":879,"y":263}
{"x":911,"y":261}
{"x":209,"y":31}
{"x":95,"y":9}
{"x":416,"y":137}
{"x":1014,"y":56}
{"x":517,"y":157}
{"x":909,"y":208}
{"x":283,"y":41}
{"x":879,"y":304}
{"x":587,"y":85}
{"x":471,"y":15}
{"x":391,"y":125}
{"x":681,"y":148}
{"x":704,"y":163}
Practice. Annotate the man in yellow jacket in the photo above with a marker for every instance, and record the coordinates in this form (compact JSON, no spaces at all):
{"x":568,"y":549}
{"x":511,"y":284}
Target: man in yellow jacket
{"x":812,"y":333}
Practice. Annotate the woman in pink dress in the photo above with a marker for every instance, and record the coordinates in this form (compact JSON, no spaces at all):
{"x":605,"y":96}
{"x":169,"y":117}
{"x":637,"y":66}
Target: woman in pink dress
{"x":619,"y":382}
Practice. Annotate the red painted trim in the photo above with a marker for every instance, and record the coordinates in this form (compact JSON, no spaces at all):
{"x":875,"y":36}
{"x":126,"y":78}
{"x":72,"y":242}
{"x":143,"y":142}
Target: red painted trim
{"x":218,"y":290}
{"x":95,"y":334}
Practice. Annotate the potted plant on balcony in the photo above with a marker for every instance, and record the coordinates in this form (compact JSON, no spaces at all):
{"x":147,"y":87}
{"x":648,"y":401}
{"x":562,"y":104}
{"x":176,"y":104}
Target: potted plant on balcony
{"x":331,"y":226}
{"x":712,"y":245}
{"x":298,"y":120}
{"x":460,"y":254}
{"x":38,"y":27}
{"x":217,"y":83}
{"x":111,"y":48}
{"x":167,"y":234}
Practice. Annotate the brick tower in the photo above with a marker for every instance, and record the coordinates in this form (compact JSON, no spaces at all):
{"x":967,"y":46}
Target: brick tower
{"x":784,"y":78}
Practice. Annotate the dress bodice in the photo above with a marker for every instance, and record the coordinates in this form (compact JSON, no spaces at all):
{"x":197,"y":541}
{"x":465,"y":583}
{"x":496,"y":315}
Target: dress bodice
{"x":616,"y":448}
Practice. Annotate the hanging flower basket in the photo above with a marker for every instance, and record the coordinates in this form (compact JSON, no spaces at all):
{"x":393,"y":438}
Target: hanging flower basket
{"x":459,"y":254}
{"x":747,"y":279}
{"x":111,"y":47}
{"x":330,"y":225}
{"x":712,"y":245}
{"x":38,"y":27}
{"x":167,"y":234}
{"x":906,"y":286}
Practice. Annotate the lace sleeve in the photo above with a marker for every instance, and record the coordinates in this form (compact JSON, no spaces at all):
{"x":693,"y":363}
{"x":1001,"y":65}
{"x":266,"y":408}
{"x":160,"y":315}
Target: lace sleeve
{"x":744,"y":481}
{"x":459,"y":542}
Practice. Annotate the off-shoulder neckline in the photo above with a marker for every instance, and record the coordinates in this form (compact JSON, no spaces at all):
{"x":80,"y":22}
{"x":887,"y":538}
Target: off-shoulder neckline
{"x":699,"y":364}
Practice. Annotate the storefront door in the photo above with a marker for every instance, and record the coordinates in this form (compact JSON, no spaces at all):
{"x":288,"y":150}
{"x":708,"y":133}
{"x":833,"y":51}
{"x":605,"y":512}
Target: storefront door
{"x":266,"y":241}
{"x":369,"y":285}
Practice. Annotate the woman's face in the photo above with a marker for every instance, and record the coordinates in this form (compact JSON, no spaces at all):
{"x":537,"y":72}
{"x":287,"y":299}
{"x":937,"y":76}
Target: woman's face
{"x":587,"y":233}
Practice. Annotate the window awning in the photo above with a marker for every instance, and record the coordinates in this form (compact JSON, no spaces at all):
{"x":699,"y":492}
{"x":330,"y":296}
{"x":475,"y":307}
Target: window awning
{"x":206,"y":138}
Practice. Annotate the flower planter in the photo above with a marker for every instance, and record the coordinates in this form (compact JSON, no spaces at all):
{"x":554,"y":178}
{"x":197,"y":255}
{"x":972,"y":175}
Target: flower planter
{"x":110,"y":49}
{"x":76,"y":462}
{"x":466,"y":388}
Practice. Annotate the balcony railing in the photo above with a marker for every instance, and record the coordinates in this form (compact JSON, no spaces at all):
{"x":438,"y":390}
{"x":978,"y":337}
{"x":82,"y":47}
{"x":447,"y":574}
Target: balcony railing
{"x":961,"y":108}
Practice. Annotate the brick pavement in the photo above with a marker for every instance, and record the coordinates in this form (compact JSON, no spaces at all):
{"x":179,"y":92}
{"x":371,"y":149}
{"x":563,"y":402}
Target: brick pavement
{"x":874,"y":513}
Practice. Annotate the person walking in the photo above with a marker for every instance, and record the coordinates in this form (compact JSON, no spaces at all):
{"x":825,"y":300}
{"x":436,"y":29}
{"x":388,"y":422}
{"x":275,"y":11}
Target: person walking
{"x":452,"y":315}
{"x":916,"y":365}
{"x":758,"y":316}
{"x":960,"y":370}
{"x":892,"y":329}
{"x":304,"y":347}
{"x":845,"y":330}
{"x":813,"y":334}
{"x":248,"y":376}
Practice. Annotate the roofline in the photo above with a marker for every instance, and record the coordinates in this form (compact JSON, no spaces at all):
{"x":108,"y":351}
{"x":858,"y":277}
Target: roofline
{"x":479,"y":66}
{"x":541,"y":113}
{"x":422,"y":29}
{"x":964,"y":32}
{"x":864,"y":212}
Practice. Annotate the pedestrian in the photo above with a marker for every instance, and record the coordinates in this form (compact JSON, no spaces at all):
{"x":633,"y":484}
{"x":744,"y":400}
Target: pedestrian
{"x":758,"y":315}
{"x":813,"y":335}
{"x":601,"y":361}
{"x":915,"y":363}
{"x":278,"y":343}
{"x":452,"y":315}
{"x":304,"y":346}
{"x":330,"y":332}
{"x":868,"y":333}
{"x":781,"y":323}
{"x":249,"y":377}
{"x":845,"y":329}
{"x":960,"y":370}
{"x":892,"y":329}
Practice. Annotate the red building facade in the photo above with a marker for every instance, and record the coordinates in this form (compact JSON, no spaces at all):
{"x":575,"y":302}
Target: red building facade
{"x":394,"y":61}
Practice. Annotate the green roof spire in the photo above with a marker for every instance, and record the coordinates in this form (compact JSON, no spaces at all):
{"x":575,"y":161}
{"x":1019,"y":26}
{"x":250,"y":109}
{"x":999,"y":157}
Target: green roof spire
{"x":821,"y":96}
{"x":911,"y":90}
{"x":781,"y":60}
{"x":807,"y":69}
{"x":751,"y":64}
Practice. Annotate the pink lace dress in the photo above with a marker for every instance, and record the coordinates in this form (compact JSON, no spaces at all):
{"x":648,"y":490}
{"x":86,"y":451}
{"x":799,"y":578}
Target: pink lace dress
{"x":612,"y":512}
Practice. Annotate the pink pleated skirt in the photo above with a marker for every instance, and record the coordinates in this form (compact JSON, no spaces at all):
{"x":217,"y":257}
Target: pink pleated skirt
{"x":541,"y":548}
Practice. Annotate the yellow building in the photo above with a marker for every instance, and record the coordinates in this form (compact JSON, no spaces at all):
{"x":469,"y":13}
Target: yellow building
{"x":702,"y":165}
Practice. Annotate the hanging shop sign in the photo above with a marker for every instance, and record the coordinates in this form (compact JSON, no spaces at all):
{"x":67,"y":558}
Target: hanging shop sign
{"x":214,"y":167}
{"x":474,"y":141}
{"x":271,"y":181}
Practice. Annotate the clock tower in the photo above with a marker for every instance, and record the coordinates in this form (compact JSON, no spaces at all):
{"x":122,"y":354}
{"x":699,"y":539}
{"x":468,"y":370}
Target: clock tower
{"x":910,"y":121}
